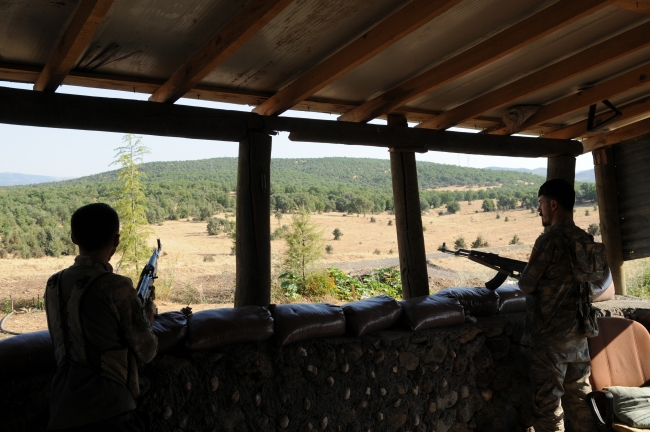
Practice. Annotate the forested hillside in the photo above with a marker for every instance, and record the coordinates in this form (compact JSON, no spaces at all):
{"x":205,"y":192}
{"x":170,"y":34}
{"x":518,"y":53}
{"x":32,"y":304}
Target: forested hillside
{"x":34,"y":219}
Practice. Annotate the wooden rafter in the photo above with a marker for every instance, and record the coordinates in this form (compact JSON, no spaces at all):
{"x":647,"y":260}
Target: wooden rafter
{"x":74,"y":41}
{"x":243,"y":26}
{"x":583,"y":61}
{"x":401,"y":23}
{"x":548,"y":20}
{"x":616,"y":136}
{"x":632,"y":110}
{"x":612,"y":87}
{"x":640,"y":6}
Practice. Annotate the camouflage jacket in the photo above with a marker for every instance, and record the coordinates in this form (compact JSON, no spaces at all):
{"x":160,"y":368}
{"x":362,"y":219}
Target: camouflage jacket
{"x":99,"y":377}
{"x":551,"y":290}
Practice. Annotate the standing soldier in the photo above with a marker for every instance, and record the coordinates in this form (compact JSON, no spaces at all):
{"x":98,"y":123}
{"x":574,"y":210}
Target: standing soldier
{"x":555,"y":304}
{"x":100,"y":332}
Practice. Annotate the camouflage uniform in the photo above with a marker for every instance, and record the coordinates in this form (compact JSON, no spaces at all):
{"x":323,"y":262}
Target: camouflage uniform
{"x":100,"y":332}
{"x":559,"y":362}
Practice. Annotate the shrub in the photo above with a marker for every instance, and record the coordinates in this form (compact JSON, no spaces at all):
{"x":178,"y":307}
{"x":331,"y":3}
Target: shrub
{"x":498,"y":216}
{"x":488,"y":205}
{"x":208,"y":258}
{"x":372,"y":219}
{"x":506,"y":219}
{"x":586,"y":212}
{"x":480,"y":242}
{"x":453,"y":207}
{"x":459,"y":243}
{"x":424,"y":228}
{"x":377,"y":252}
{"x":440,"y":213}
{"x":390,"y":252}
{"x":279,"y":232}
{"x":337,"y":234}
{"x":594,"y":229}
{"x":515,"y":240}
{"x":219,"y":225}
{"x":390,"y":222}
{"x":329,"y":249}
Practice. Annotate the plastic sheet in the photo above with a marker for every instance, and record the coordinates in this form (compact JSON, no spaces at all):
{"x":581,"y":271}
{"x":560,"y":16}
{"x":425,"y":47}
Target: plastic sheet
{"x":171,"y":330}
{"x":421,"y":313}
{"x":371,"y":315}
{"x":511,"y":299}
{"x":219,"y":327}
{"x":480,"y":302}
{"x":26,"y":354}
{"x":298,"y":322}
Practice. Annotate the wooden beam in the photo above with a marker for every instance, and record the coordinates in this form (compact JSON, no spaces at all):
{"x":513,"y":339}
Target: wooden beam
{"x":640,"y":6}
{"x":24,"y":107}
{"x":403,"y":22}
{"x":562,"y":167}
{"x":611,"y":49}
{"x":408,"y":219}
{"x":640,"y":107}
{"x":239,"y":30}
{"x":610,"y":221}
{"x":86,"y":20}
{"x":525,"y":32}
{"x":617,"y":136}
{"x":605,"y":90}
{"x":253,"y":237}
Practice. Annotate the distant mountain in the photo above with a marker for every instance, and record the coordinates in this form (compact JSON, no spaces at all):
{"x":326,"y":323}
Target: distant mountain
{"x":581,"y":176}
{"x":14,"y":179}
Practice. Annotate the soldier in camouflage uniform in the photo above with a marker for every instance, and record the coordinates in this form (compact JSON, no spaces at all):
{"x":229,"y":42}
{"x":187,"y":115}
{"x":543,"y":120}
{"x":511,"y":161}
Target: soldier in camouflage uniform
{"x":559,"y":362}
{"x":100,"y":332}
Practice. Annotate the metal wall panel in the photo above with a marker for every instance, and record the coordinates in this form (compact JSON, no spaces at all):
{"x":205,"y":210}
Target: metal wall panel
{"x":632,"y":160}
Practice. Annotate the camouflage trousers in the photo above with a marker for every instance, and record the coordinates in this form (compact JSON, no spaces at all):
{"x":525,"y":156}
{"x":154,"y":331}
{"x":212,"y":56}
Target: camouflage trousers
{"x":559,"y":374}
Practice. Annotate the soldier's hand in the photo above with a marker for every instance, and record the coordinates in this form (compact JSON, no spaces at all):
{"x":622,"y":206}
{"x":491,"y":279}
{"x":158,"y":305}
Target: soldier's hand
{"x":150,"y":308}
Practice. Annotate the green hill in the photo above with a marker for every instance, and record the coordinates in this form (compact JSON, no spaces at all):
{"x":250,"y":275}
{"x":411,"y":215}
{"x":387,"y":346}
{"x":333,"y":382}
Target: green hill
{"x":34,"y":219}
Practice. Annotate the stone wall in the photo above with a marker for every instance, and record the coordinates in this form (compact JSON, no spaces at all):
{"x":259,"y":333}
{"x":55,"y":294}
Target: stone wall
{"x":467,"y":377}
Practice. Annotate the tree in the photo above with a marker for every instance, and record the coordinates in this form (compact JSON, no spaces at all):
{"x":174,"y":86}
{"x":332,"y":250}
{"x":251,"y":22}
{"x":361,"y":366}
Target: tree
{"x":488,"y":205}
{"x":453,"y":207}
{"x":337,"y":234}
{"x":131,"y":206}
{"x":304,"y":244}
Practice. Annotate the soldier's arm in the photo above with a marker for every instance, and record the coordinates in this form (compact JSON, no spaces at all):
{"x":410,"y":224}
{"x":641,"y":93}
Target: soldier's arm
{"x":539,"y":260}
{"x":134,"y":324}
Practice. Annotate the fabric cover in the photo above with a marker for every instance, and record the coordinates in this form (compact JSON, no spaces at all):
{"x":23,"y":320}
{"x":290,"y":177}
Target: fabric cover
{"x":26,"y":354}
{"x":298,"y":322}
{"x":371,"y":315}
{"x":480,"y":302}
{"x":632,"y":405}
{"x":511,"y":299}
{"x":603,"y":288}
{"x":619,"y":354}
{"x":171,"y":330}
{"x":618,"y":427}
{"x":421,"y":313}
{"x":227,"y":326}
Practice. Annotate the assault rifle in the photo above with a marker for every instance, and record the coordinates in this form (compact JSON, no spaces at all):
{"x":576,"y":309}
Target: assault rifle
{"x":149,"y":273}
{"x":504,"y":266}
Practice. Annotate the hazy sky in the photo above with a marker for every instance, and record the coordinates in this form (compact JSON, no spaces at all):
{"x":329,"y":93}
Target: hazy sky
{"x":74,"y":153}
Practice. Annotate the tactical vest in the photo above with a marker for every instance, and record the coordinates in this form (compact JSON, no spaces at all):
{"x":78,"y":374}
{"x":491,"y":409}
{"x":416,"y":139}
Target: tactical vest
{"x":68,"y":337}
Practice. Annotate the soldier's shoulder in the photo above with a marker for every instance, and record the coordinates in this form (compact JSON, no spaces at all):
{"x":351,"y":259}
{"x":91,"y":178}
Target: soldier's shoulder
{"x":113,"y":283}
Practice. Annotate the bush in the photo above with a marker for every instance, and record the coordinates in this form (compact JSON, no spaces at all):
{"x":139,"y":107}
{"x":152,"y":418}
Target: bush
{"x":515,"y":240}
{"x":390,"y":222}
{"x":506,"y":220}
{"x":329,"y":249}
{"x":480,"y":242}
{"x":440,"y":213}
{"x":386,"y":281}
{"x":459,"y":243}
{"x":377,"y":252}
{"x":488,"y":205}
{"x":424,"y":228}
{"x":594,"y":229}
{"x":219,"y":225}
{"x":586,"y":212}
{"x":453,"y":207}
{"x":372,"y":219}
{"x":279,"y":232}
{"x":337,"y":233}
{"x":208,"y":258}
{"x":498,"y":216}
{"x":390,"y":252}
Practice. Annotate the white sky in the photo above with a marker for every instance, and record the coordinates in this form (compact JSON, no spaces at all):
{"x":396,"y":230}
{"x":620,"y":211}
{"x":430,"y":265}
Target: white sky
{"x":74,"y":153}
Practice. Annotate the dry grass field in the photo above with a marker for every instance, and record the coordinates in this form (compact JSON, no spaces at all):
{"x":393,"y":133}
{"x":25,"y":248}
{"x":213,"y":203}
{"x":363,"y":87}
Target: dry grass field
{"x":187,"y":276}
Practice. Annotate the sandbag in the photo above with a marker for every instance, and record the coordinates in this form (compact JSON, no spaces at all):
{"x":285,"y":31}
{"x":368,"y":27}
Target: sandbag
{"x":631,"y":405}
{"x":26,"y":354}
{"x":227,"y":326}
{"x":511,"y":299}
{"x":421,"y":313}
{"x":480,"y":302}
{"x":603,"y":288}
{"x":298,"y":322}
{"x":371,"y":315}
{"x":171,"y":330}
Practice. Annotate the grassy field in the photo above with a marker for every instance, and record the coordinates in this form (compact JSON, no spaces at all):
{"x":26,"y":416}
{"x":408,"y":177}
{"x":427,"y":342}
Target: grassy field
{"x":198,"y":269}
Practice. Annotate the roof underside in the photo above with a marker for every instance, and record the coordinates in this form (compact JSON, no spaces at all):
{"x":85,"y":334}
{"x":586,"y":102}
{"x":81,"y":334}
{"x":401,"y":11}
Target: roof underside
{"x":292,"y":55}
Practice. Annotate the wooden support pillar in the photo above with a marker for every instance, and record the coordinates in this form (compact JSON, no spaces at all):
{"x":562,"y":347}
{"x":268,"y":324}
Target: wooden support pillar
{"x":610,"y":227}
{"x":408,"y":220}
{"x":253,"y":274}
{"x":563,"y":167}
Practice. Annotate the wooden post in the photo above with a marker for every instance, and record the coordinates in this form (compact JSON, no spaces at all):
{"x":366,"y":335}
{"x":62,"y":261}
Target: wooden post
{"x":253,"y":274}
{"x":610,"y":226}
{"x":563,"y":167}
{"x":408,"y":220}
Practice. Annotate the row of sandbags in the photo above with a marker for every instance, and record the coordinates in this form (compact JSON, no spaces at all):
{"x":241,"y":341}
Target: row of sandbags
{"x":32,"y":353}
